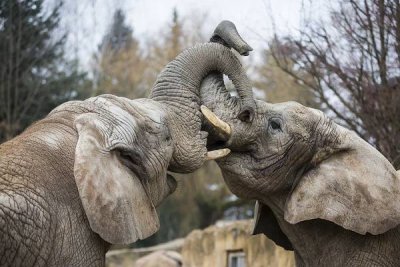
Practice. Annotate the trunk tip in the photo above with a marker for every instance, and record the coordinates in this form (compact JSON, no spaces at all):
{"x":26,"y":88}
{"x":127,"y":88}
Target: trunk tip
{"x":226,"y":34}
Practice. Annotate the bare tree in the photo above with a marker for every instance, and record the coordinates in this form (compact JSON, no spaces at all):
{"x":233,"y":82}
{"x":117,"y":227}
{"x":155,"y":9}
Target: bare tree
{"x":279,"y":86}
{"x":353,"y":65}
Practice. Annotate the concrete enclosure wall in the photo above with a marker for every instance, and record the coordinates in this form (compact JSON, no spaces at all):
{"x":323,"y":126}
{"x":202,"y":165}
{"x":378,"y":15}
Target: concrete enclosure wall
{"x":211,"y":247}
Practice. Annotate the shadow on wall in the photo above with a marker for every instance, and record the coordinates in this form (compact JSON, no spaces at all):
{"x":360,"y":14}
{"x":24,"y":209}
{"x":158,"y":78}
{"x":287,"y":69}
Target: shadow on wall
{"x":225,"y":244}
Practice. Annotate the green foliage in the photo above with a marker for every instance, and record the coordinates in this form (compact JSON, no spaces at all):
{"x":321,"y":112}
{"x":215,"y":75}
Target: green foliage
{"x":34,"y":76}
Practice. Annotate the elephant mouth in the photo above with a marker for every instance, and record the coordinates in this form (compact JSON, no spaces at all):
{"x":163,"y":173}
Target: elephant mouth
{"x":219,"y":132}
{"x":216,"y":144}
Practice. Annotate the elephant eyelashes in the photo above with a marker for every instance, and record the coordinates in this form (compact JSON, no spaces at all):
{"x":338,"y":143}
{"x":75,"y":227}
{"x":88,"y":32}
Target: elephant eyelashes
{"x":130,"y":159}
{"x":275,"y":124}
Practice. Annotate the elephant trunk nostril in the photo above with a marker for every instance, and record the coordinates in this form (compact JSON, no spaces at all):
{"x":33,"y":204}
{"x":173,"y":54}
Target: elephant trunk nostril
{"x":246,"y":115}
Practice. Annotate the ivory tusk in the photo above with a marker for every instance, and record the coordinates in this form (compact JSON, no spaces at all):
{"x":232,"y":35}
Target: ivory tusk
{"x":215,"y":121}
{"x":216,"y":154}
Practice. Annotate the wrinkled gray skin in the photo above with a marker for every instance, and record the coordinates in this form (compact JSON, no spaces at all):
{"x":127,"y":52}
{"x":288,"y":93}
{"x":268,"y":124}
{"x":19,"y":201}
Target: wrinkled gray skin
{"x":92,"y":172}
{"x":321,"y":190}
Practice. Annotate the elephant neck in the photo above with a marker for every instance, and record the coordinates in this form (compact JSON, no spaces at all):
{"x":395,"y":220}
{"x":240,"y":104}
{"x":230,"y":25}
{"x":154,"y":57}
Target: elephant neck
{"x":322,"y":243}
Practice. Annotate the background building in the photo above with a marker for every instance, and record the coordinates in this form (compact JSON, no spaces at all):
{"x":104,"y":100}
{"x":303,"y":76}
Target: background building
{"x":225,"y":244}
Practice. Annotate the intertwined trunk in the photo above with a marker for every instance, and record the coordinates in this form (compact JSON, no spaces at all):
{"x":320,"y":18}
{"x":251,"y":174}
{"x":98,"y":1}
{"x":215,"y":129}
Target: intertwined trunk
{"x":178,"y":88}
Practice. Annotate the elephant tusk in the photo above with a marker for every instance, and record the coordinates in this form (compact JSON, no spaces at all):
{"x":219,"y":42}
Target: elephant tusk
{"x":216,"y":154}
{"x":220,"y":125}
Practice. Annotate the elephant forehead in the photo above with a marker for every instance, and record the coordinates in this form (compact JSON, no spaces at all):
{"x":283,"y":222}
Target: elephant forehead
{"x":130,"y":121}
{"x":114,"y":122}
{"x":121,"y":126}
{"x":151,"y":109}
{"x":292,"y":109}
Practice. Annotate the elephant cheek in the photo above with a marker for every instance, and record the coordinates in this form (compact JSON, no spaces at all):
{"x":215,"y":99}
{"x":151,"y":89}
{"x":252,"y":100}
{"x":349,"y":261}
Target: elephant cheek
{"x":237,"y":181}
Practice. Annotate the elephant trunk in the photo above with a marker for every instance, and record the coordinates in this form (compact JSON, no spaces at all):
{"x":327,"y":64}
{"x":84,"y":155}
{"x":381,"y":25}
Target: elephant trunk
{"x":227,"y":34}
{"x":219,"y":101}
{"x":178,"y":87}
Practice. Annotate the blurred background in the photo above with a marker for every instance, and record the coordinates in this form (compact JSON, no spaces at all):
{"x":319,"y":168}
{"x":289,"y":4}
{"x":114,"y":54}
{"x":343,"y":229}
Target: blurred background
{"x":341,"y":56}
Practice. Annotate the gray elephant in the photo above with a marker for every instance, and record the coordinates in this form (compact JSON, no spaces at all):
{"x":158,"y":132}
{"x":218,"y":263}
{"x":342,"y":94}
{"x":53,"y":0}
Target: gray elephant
{"x":322,"y":191}
{"x":91,"y":173}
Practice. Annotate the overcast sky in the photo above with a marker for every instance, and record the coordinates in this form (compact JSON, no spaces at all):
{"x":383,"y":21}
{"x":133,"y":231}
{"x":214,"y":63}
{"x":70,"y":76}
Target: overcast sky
{"x":88,"y":20}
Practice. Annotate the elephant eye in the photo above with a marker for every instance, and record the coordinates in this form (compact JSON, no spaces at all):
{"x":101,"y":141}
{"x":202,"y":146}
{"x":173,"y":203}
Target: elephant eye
{"x":132,"y":159}
{"x":275,"y":124}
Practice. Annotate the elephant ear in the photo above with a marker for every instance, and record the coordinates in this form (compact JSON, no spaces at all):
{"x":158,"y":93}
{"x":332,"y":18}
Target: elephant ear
{"x":266,"y":223}
{"x":114,"y":199}
{"x":352,"y":185}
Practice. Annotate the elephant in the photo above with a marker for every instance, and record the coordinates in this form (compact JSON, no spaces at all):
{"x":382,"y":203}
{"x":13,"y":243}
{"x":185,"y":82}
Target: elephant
{"x":91,"y":173}
{"x":321,"y":190}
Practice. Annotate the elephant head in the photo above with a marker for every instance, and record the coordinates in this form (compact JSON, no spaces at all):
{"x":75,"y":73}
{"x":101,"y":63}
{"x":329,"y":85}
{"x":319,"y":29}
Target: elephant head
{"x":300,"y":165}
{"x":178,"y":85}
{"x":137,"y":141}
